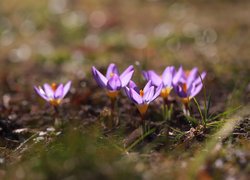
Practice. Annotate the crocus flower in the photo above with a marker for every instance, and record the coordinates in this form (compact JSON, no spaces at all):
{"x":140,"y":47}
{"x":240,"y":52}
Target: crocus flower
{"x":142,"y":97}
{"x":53,"y":93}
{"x":166,"y":79}
{"x":113,"y":82}
{"x":189,"y":84}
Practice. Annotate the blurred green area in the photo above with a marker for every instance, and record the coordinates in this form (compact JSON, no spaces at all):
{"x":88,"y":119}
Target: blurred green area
{"x":77,"y":154}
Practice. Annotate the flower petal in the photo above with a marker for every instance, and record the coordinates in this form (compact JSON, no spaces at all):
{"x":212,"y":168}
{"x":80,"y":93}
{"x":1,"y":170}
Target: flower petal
{"x":192,"y":76}
{"x":157,"y":92}
{"x":167,"y":76}
{"x":200,"y":78}
{"x":135,"y":97}
{"x":132,"y":84}
{"x":145,"y":75}
{"x":127,"y":91}
{"x":66,"y":88}
{"x":48,"y":91}
{"x":114,"y":83}
{"x":126,"y":71}
{"x":155,"y":78}
{"x":196,"y":90}
{"x":147,"y":97}
{"x":59,"y":92}
{"x":178,"y":75}
{"x":112,"y":69}
{"x":147,"y":86}
{"x":40,"y":92}
{"x":179,"y":91}
{"x":126,"y":76}
{"x":100,"y":79}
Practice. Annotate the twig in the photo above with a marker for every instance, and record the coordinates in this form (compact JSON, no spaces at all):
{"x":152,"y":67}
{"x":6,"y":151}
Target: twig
{"x":26,"y":141}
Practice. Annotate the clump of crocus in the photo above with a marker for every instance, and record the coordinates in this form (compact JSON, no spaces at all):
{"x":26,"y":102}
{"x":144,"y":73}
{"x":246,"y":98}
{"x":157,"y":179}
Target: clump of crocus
{"x":142,"y":97}
{"x":113,"y":82}
{"x":53,"y":93}
{"x":166,"y":79}
{"x":188,"y":86}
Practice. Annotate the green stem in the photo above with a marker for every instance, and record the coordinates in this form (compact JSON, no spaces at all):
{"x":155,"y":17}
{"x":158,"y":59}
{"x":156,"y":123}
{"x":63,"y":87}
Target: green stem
{"x":199,"y":109}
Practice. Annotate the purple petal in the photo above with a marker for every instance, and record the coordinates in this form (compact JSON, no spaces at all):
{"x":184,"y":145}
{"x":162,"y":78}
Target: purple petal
{"x":179,"y":91}
{"x":127,"y":91}
{"x":135,"y":97}
{"x":114,"y":83}
{"x":126,"y":75}
{"x":149,"y":95}
{"x":126,"y":71}
{"x":200,"y":78}
{"x":167,"y":76}
{"x":145,"y":75}
{"x":196,"y":90}
{"x":66,"y":89}
{"x":131,"y":84}
{"x":100,"y":79}
{"x":40,"y":92}
{"x":157,"y":92}
{"x":155,"y":78}
{"x":59,"y":92}
{"x":112,"y":69}
{"x":48,"y":91}
{"x":178,"y":75}
{"x":147,"y":86}
{"x":192,"y":76}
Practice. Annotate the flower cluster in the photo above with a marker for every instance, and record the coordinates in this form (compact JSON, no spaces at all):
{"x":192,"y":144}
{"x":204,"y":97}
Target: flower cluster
{"x":185,"y":84}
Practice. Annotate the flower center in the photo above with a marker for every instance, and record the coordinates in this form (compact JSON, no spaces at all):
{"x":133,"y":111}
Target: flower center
{"x":184,"y":87}
{"x":165,"y":92}
{"x":141,"y":93}
{"x":53,"y":86}
{"x":112,"y":74}
{"x":55,"y":102}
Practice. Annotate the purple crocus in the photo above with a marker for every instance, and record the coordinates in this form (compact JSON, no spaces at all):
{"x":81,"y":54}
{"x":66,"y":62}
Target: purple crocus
{"x":53,"y":93}
{"x":167,"y":77}
{"x":113,"y":82}
{"x":189,"y":84}
{"x":142,"y":97}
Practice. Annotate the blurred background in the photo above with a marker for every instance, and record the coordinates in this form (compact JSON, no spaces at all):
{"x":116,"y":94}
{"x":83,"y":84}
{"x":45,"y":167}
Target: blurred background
{"x":72,"y":34}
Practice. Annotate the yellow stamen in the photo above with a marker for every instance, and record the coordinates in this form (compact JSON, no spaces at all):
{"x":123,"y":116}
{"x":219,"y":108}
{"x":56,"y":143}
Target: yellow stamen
{"x":55,"y":102}
{"x":141,"y":93}
{"x":112,"y":94}
{"x":165,"y":92}
{"x":112,"y":74}
{"x":53,"y":86}
{"x":142,"y":108}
